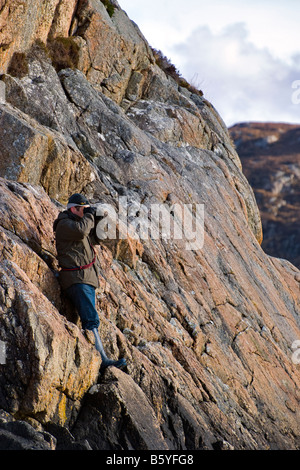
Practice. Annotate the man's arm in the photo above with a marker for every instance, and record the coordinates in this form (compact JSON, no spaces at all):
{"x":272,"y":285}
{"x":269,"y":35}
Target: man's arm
{"x":78,"y":230}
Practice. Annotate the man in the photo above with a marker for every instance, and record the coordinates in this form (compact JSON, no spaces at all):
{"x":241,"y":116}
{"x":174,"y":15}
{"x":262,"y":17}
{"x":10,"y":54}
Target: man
{"x":79,"y":271}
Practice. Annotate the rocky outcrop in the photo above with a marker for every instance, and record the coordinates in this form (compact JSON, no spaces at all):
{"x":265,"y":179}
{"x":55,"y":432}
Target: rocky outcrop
{"x":271,"y":162}
{"x":49,"y":363}
{"x":206,"y":323}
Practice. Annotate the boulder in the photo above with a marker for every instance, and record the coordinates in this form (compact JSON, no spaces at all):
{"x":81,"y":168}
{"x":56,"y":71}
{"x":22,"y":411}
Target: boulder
{"x":34,"y":154}
{"x":118,"y":399}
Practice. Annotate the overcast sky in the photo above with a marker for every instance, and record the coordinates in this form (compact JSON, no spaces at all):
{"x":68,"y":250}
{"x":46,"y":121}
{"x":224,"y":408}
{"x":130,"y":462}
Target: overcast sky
{"x":244,"y":55}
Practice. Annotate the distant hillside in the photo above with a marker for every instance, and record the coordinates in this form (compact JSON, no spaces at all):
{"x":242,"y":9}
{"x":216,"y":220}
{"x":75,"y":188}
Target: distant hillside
{"x":270,"y":155}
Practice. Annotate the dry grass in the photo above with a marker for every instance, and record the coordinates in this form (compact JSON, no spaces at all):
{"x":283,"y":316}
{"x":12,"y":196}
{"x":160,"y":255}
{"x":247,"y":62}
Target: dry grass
{"x":64,"y":53}
{"x":166,"y":65}
{"x":18,"y":66}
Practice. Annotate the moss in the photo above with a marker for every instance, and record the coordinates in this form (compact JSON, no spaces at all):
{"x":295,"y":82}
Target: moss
{"x":18,"y":66}
{"x":109,"y":7}
{"x":64,"y":53}
{"x":62,"y":410}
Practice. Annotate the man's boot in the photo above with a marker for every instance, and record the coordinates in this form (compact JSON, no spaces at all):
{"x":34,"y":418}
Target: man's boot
{"x":120,"y":363}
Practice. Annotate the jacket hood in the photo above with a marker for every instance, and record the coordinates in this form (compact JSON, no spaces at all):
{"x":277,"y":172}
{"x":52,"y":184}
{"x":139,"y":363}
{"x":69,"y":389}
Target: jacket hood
{"x":61,"y":216}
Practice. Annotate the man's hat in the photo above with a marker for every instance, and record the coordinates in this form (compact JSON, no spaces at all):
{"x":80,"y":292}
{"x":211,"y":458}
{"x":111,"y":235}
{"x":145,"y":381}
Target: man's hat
{"x":77,"y":200}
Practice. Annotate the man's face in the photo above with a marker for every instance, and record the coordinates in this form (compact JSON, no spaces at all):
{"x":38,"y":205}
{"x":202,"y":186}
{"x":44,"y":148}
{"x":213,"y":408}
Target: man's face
{"x":78,"y":210}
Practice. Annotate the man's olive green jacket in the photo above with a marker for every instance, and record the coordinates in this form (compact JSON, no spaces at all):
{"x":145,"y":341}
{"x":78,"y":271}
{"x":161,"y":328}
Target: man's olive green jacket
{"x":74,"y":246}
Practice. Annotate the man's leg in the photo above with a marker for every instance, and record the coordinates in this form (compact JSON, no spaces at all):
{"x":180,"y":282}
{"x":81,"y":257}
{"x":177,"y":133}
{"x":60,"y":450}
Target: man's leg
{"x":83,"y":298}
{"x":120,"y":363}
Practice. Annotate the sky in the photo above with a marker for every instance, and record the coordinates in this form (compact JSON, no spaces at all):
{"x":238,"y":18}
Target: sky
{"x":244,"y":55}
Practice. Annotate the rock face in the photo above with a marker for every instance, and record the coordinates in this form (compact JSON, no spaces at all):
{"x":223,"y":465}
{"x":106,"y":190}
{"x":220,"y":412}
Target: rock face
{"x":270,"y":157}
{"x":207,"y":321}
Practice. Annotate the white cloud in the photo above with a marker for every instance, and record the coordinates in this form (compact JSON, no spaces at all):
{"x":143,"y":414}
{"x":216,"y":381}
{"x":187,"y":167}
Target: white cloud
{"x":244,"y":82}
{"x":243,"y":55}
{"x":271,"y":23}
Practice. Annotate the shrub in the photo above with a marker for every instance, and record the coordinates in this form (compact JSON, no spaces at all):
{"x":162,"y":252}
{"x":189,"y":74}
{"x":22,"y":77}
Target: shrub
{"x":109,"y":7}
{"x":64,"y":53}
{"x":18,"y":66}
{"x":166,"y":65}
